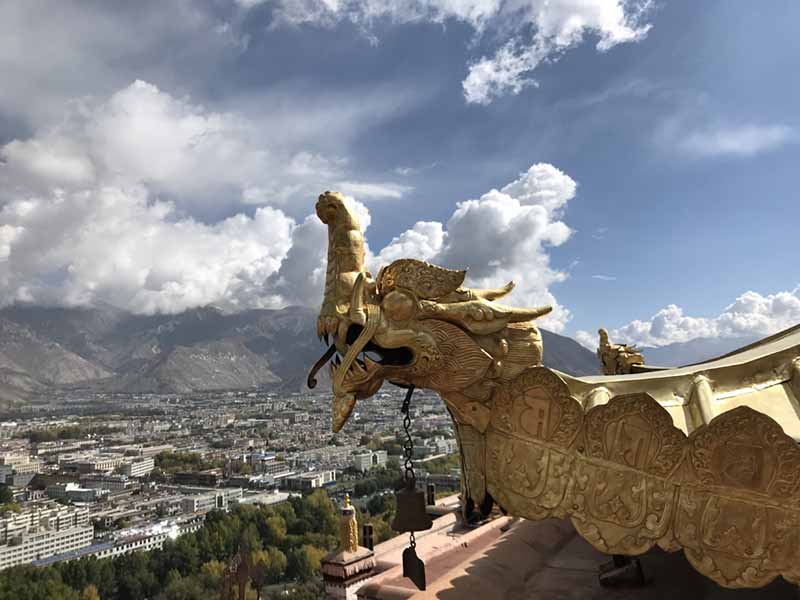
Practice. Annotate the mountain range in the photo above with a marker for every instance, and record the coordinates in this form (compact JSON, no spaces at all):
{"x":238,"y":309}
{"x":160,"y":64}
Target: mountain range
{"x":694,"y":351}
{"x":204,"y":349}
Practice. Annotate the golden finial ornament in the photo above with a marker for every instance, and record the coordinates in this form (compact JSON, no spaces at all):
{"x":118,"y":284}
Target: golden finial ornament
{"x":348,"y":527}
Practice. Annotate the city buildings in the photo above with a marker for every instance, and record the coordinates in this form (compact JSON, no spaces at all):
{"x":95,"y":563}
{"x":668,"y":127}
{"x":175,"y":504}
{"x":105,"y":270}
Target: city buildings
{"x":94,"y":463}
{"x":130,"y":540}
{"x":365,"y":460}
{"x":155,"y":475}
{"x":18,"y":468}
{"x":74,"y":492}
{"x":310,"y":481}
{"x":42,"y":530}
{"x":138,"y":467}
{"x":115,"y":484}
{"x":208,"y":500}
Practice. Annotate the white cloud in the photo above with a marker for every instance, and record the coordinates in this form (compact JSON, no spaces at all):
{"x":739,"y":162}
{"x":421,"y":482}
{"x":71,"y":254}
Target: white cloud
{"x":737,"y":141}
{"x":423,"y":241}
{"x":504,"y":73}
{"x":104,"y":205}
{"x":204,"y":160}
{"x":543,"y":185}
{"x":694,"y":132}
{"x":406,"y":171}
{"x":586,"y":339}
{"x":120,"y":245}
{"x":143,"y":136}
{"x":301,"y":277}
{"x":751,"y":314}
{"x":502,"y":236}
{"x":535,"y":31}
{"x":53,"y":159}
{"x":557,"y":26}
{"x":373,"y":190}
{"x":604,"y":277}
{"x":54,"y":52}
{"x":139,"y":195}
{"x":66,"y":93}
{"x":366,"y":13}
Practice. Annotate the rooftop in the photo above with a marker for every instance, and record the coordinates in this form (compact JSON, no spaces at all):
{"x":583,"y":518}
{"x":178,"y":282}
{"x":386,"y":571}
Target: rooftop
{"x":516,"y":559}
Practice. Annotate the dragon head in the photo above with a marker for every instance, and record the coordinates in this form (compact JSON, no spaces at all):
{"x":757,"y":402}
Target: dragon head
{"x":415,"y":324}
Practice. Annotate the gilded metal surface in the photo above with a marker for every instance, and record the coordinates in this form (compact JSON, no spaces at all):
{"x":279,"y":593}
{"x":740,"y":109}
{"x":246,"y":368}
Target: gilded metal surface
{"x":348,"y":528}
{"x":617,"y":359}
{"x":425,"y":280}
{"x":701,"y":458}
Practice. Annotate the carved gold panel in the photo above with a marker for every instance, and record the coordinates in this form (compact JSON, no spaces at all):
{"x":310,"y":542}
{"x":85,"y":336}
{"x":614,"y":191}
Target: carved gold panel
{"x":472,"y":445}
{"x":738,"y":516}
{"x":628,"y":479}
{"x":622,"y":498}
{"x":534,"y":422}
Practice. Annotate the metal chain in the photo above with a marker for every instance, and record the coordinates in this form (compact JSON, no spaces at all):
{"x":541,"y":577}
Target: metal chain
{"x":408,"y":447}
{"x":408,"y":451}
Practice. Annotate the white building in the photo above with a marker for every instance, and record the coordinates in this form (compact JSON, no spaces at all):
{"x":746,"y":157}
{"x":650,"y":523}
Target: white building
{"x":39,"y":545}
{"x":136,"y":539}
{"x":268,"y":463}
{"x":211,"y":500}
{"x":74,"y":492}
{"x":309,"y":481}
{"x":113,"y":483}
{"x":20,"y":463}
{"x":446,"y":446}
{"x":138,"y":467}
{"x":95,"y":463}
{"x":43,"y":530}
{"x":152,"y":537}
{"x":155,"y":450}
{"x":364,"y":461}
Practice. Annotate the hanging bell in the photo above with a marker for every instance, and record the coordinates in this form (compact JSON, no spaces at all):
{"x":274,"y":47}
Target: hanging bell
{"x":411,"y":514}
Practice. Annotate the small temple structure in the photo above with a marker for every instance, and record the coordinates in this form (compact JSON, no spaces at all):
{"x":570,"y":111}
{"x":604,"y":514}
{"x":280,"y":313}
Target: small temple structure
{"x":347,"y":568}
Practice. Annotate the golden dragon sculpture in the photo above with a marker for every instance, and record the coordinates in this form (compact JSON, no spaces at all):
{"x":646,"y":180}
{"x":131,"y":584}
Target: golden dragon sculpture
{"x":702,"y":458}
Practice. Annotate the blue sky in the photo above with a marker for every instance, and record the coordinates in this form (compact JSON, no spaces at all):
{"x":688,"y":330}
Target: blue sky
{"x":166,"y":155}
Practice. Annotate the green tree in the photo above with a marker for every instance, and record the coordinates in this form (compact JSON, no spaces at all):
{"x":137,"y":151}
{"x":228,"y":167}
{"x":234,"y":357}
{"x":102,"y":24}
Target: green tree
{"x":379,"y":503}
{"x":184,"y":588}
{"x":212,"y":572}
{"x":250,"y":540}
{"x":10,"y":506}
{"x":276,"y":565}
{"x":269,"y":566}
{"x":135,"y":577}
{"x":311,"y":590}
{"x":90,"y":593}
{"x":303,"y":562}
{"x":272,"y":529}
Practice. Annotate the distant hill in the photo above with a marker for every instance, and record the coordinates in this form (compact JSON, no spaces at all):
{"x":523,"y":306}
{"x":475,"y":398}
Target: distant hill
{"x":565,"y":354}
{"x":203,"y":349}
{"x":693,"y":351}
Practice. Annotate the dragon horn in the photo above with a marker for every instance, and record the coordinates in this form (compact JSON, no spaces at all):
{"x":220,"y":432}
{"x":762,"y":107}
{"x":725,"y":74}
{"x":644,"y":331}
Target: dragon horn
{"x":494,"y":293}
{"x":520,"y":315}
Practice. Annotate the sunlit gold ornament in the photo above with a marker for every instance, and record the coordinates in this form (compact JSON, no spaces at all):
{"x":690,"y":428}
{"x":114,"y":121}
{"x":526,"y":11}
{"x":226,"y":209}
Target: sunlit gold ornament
{"x":702,"y":458}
